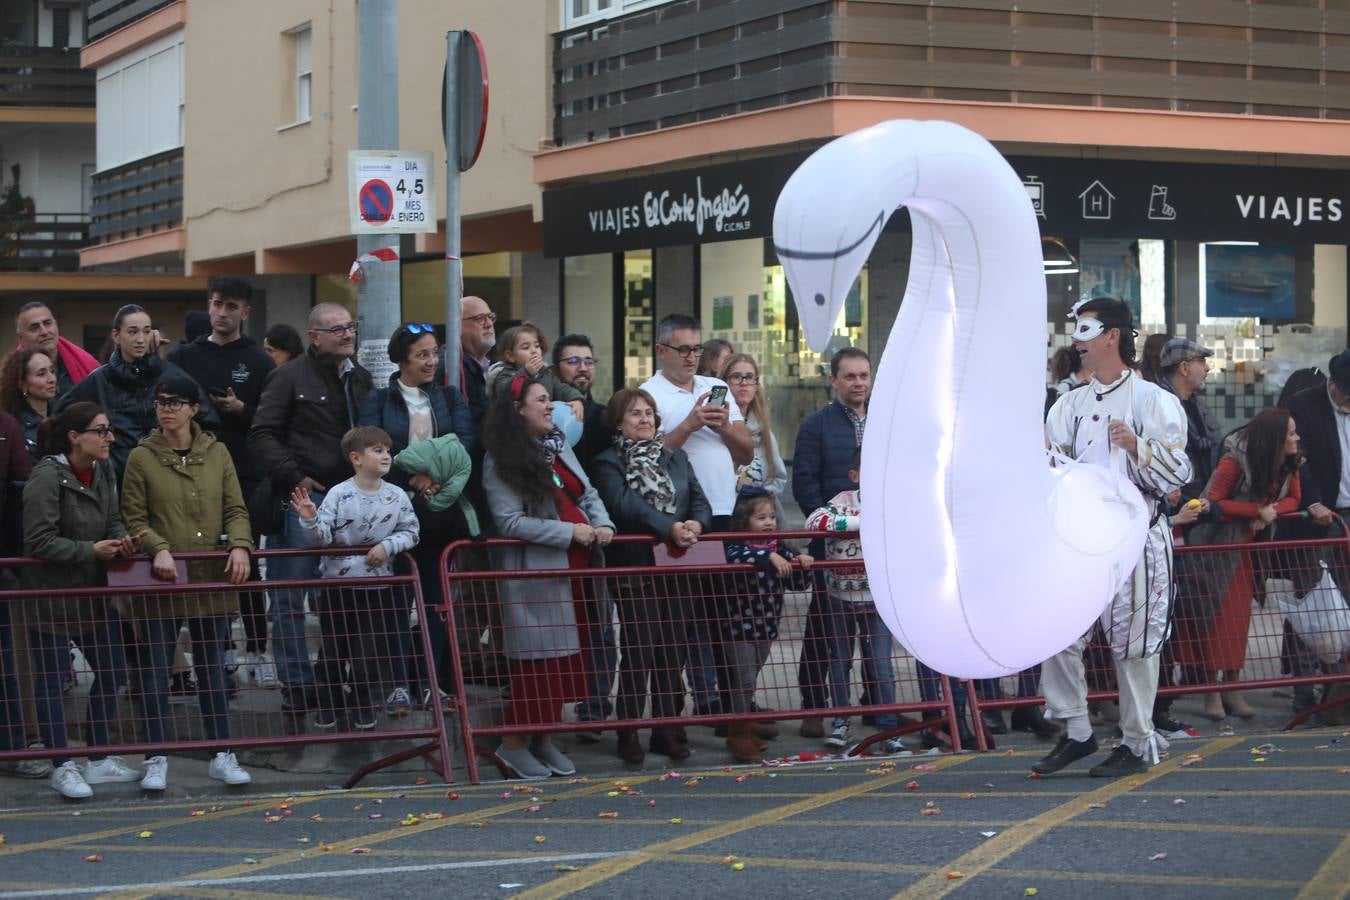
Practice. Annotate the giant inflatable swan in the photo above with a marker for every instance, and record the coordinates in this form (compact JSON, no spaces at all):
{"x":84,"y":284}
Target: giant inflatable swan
{"x":982,"y":559}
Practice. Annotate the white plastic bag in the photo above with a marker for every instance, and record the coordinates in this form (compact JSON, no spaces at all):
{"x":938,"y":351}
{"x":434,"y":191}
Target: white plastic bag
{"x":1321,"y":619}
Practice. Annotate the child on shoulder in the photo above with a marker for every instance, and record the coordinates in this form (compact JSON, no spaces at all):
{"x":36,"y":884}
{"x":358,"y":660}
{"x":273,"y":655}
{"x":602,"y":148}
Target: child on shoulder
{"x":363,"y":627}
{"x":521,"y":349}
{"x":750,"y":619}
{"x":848,"y":602}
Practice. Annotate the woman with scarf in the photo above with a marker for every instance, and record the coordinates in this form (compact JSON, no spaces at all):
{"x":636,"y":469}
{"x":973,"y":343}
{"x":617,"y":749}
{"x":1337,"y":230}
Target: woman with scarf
{"x":652,"y":490}
{"x":539,"y":495}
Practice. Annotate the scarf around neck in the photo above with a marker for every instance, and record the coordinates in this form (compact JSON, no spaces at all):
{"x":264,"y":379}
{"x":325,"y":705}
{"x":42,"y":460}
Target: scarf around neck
{"x":551,"y":445}
{"x":643,"y":473}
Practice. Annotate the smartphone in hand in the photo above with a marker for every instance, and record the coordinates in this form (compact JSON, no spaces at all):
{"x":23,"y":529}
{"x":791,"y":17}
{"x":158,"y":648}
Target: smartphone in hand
{"x":718,"y":395}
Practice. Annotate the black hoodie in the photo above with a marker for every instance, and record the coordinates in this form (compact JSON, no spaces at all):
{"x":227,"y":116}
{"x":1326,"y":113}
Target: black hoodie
{"x":242,"y":365}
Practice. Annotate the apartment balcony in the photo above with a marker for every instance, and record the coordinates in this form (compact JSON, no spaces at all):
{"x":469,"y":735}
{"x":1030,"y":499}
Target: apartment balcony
{"x":106,"y":16}
{"x":141,"y":198}
{"x":43,"y":242}
{"x":44,"y":77}
{"x":693,"y":60}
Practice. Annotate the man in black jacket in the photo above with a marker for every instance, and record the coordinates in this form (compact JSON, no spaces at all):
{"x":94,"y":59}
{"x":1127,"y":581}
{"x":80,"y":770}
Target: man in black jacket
{"x":1323,"y":418}
{"x":306,"y":407}
{"x":574,"y":363}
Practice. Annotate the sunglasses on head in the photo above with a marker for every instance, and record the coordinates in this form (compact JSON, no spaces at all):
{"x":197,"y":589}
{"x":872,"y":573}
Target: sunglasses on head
{"x":419,"y":328}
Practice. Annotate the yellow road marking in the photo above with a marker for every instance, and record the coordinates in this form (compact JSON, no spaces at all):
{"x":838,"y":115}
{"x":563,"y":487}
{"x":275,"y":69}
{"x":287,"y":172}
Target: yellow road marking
{"x":1001,"y":846}
{"x":1332,"y":880}
{"x":380,"y":837}
{"x":606,"y":869}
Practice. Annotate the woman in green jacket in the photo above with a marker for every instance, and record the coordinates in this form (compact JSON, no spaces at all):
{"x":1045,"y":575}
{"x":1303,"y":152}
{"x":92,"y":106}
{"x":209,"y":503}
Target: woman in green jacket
{"x":181,"y":490}
{"x":70,"y":520}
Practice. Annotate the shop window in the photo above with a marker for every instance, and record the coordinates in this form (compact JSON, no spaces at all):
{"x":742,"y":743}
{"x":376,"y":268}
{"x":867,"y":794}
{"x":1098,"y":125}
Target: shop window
{"x":639,"y":331}
{"x":588,"y":308}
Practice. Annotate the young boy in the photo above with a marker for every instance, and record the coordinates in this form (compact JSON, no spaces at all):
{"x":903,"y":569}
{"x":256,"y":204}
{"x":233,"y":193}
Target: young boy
{"x":849,"y":601}
{"x":362,"y":627}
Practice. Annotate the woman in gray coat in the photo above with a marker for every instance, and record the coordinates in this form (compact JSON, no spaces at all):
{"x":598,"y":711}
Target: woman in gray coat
{"x":649,"y":489}
{"x":539,"y":495}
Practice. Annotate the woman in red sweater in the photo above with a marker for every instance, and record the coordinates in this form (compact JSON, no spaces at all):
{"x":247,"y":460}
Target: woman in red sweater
{"x":1255,"y":483}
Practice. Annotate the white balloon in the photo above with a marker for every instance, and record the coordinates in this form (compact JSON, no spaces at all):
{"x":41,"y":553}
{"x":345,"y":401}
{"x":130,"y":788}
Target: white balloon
{"x":982,"y":559}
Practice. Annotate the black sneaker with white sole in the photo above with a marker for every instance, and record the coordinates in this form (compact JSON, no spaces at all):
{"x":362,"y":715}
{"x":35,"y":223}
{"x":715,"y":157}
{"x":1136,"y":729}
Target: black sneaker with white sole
{"x":1122,"y":761}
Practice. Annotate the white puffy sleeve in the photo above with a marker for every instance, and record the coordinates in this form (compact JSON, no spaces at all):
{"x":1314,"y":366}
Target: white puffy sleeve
{"x":1061,"y":424}
{"x":1161,"y":464}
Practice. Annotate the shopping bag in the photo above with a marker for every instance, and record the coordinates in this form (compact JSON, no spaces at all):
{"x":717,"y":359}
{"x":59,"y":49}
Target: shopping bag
{"x":1320,"y":618}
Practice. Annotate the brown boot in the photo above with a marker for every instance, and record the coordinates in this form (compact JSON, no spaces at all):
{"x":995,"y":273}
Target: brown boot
{"x":812,"y":728}
{"x":665,"y":743}
{"x":742,"y":744}
{"x":763,"y":731}
{"x":630,"y":748}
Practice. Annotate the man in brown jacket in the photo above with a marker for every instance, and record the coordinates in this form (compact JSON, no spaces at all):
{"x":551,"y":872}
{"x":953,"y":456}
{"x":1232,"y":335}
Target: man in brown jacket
{"x":306,"y":407}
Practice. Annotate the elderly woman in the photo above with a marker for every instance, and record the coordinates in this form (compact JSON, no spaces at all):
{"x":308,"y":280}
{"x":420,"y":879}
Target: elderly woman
{"x":71,"y":522}
{"x":414,"y":409}
{"x":649,"y":489}
{"x":539,"y":494}
{"x":181,"y":493}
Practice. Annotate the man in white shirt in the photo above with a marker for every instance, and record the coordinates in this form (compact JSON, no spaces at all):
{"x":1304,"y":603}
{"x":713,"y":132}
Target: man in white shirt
{"x":717,"y":441}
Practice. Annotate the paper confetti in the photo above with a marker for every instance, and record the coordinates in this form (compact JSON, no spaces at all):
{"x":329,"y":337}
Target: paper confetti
{"x":146,"y":835}
{"x":534,"y":808}
{"x":967,"y":796}
{"x":359,"y":851}
{"x":988,"y":833}
{"x":410,"y":820}
{"x":94,"y":857}
{"x":1157,"y":856}
{"x":1178,"y":802}
{"x":728,"y":859}
{"x":420,"y":779}
{"x":952,"y":876}
{"x":316,"y":818}
{"x":506,"y":795}
{"x":375,"y":816}
{"x":608,"y":815}
{"x":325,"y":846}
{"x":677,"y":821}
{"x":196,"y":812}
{"x":651,"y":804}
{"x":433,"y":816}
{"x":1192,"y":759}
{"x":611,"y":793}
{"x":358,"y":807}
{"x":565,"y":867}
{"x":474,"y":824}
{"x":539,"y":839}
{"x":452,"y":796}
{"x":737,"y":866}
{"x":250,"y":861}
{"x":270,"y":819}
{"x":1030,"y":892}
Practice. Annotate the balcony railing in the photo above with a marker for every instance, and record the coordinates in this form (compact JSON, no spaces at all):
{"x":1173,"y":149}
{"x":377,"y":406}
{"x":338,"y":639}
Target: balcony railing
{"x":106,"y":16}
{"x":43,"y":242}
{"x":139,"y":198}
{"x":44,"y":76}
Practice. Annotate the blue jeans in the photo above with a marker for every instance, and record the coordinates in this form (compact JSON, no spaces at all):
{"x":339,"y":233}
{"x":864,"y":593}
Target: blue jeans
{"x":1028,"y":684}
{"x":602,"y":660}
{"x":288,"y":606}
{"x":102,"y":648}
{"x":876,"y":646}
{"x":930,"y":686}
{"x":209,"y":637}
{"x":11,"y":710}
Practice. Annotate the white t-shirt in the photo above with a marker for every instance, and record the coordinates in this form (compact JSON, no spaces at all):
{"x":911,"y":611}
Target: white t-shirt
{"x":707,"y":453}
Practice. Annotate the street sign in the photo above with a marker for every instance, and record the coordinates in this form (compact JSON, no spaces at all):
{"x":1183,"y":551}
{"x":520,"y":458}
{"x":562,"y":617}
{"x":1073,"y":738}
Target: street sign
{"x":471,"y":88}
{"x":390,"y":192}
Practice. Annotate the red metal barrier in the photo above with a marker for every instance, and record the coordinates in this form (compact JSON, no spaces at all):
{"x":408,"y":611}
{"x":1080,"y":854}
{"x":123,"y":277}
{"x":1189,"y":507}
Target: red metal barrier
{"x":696,"y":613}
{"x":369,"y":651}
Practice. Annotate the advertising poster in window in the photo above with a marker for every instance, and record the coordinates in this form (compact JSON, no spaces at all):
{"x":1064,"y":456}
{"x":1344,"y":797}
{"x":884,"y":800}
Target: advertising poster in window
{"x":1110,"y":268}
{"x":1249,"y":281}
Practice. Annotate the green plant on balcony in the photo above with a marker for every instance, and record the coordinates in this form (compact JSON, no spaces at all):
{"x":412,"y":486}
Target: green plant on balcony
{"x":16,"y":212}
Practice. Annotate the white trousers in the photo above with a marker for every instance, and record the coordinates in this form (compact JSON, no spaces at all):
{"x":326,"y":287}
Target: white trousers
{"x":1065,"y":684}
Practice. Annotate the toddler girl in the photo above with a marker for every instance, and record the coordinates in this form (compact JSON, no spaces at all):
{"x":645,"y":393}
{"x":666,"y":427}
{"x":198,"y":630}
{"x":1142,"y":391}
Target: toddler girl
{"x":521,"y":349}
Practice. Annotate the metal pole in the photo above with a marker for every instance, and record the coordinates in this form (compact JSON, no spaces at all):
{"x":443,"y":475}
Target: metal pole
{"x":454,"y":267}
{"x":378,"y":300}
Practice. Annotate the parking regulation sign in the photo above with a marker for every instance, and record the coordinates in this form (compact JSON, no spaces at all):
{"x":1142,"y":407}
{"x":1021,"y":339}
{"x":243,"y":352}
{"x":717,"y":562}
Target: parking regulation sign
{"x":390,"y":192}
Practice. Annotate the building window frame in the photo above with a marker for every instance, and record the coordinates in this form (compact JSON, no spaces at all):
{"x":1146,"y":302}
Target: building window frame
{"x":301,"y":41}
{"x":573,"y":13}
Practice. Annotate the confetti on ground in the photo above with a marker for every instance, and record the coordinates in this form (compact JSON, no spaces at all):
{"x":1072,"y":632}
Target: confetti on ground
{"x":248,"y":860}
{"x":146,"y":835}
{"x":420,"y":780}
{"x":967,"y":796}
{"x":1178,"y":802}
{"x":952,"y":876}
{"x":1030,"y":892}
{"x":510,"y":885}
{"x":912,"y":786}
{"x":452,"y":796}
{"x":1096,"y":806}
{"x":1157,"y":856}
{"x":94,"y":857}
{"x":930,"y":809}
{"x":565,"y":867}
{"x":506,"y":795}
{"x":303,"y":840}
{"x":359,"y":851}
{"x":988,"y":833}
{"x":539,"y":839}
{"x":433,"y":816}
{"x":1192,"y":759}
{"x":409,"y":820}
{"x":737,"y":866}
{"x":677,"y":821}
{"x":676,"y":776}
{"x":474,"y":824}
{"x":608,"y":815}
{"x":358,"y":807}
{"x":988,"y":785}
{"x":693,"y":782}
{"x":534,"y":808}
{"x":923,"y":767}
{"x":324,"y":846}
{"x":651,"y":804}
{"x":196,"y":812}
{"x":316,"y":818}
{"x":375,"y":816}
{"x":728,"y":859}
{"x":581,"y":780}
{"x":271,"y":819}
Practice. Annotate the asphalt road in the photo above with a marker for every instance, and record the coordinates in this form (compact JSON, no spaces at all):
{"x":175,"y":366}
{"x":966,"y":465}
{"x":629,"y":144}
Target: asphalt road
{"x":1232,"y":823}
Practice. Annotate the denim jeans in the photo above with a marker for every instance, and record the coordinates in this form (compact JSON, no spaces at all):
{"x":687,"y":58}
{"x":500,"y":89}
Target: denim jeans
{"x":102,"y":648}
{"x":930,"y":686}
{"x":602,"y":659}
{"x":11,"y":709}
{"x":158,"y":637}
{"x":876,"y":645}
{"x":289,"y":649}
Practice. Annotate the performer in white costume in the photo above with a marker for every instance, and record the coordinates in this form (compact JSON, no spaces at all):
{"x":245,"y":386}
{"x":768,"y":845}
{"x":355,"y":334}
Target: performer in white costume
{"x":1121,"y":420}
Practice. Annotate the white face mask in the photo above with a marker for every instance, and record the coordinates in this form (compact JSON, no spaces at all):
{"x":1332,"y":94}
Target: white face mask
{"x":1088,"y":329}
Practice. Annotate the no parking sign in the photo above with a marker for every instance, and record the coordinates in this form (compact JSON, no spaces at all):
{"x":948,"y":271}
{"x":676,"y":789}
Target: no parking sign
{"x":390,"y":192}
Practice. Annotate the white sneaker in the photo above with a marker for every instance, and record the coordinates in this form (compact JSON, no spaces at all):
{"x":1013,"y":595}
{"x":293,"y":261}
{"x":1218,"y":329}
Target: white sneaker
{"x":156,"y":774}
{"x":224,"y":767}
{"x":264,"y":671}
{"x":111,"y":769}
{"x":68,"y":782}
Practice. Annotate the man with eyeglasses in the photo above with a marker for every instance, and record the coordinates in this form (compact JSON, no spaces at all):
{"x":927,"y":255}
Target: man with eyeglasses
{"x":574,"y":363}
{"x":477,"y":337}
{"x":306,"y":407}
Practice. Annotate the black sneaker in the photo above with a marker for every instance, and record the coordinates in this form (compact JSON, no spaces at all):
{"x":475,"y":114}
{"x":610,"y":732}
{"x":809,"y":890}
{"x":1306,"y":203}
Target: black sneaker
{"x":1122,"y":761}
{"x":1168,"y":725}
{"x":325,"y":720}
{"x":1065,"y":752}
{"x":363,"y":719}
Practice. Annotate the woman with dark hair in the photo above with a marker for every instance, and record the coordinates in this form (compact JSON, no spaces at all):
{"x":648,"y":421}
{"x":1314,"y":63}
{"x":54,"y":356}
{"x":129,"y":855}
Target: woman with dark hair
{"x":180,"y":492}
{"x":27,"y":389}
{"x":282,"y":343}
{"x":649,"y":489}
{"x":124,"y":386}
{"x":71,"y":522}
{"x":1257,"y":481}
{"x":716,"y":352}
{"x":1150,"y":368}
{"x":540,"y":495}
{"x":415,"y":408}
{"x":1066,"y":370}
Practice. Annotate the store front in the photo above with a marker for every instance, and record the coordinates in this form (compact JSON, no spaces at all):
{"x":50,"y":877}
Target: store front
{"x":1249,"y":260}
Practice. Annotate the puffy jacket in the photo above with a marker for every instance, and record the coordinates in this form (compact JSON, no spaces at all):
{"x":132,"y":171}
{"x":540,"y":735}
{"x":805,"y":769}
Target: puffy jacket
{"x":61,"y":521}
{"x":185,"y":504}
{"x":822,"y":457}
{"x":125,"y":391}
{"x":304,"y":411}
{"x":450,"y":414}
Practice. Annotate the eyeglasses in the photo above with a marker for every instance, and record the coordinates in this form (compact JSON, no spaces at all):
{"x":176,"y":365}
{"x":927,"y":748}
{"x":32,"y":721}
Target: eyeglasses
{"x":172,"y":404}
{"x":338,"y":330}
{"x":420,"y":328}
{"x":742,"y":378}
{"x":482,"y":319}
{"x":580,"y":362}
{"x":685,"y":352}
{"x":102,"y":431}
